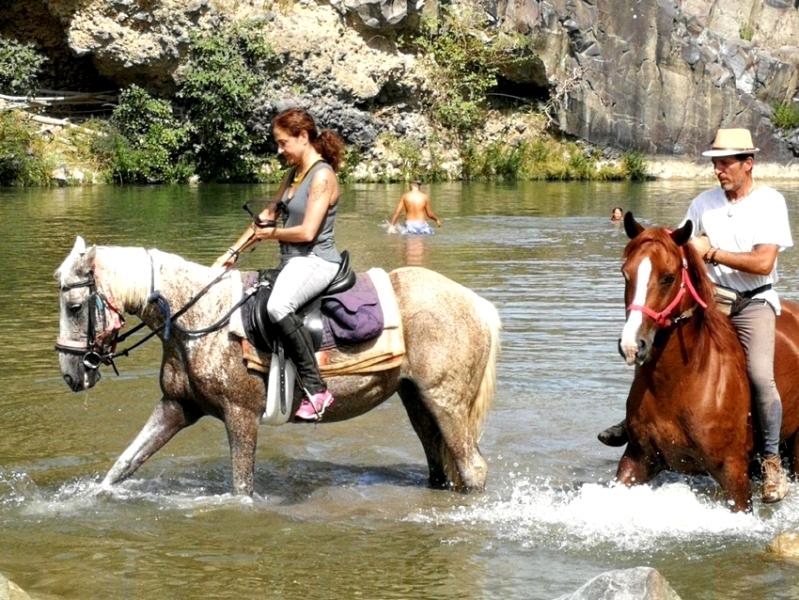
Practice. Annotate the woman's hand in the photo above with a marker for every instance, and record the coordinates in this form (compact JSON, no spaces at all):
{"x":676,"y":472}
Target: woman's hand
{"x":227,"y":260}
{"x":263,"y":233}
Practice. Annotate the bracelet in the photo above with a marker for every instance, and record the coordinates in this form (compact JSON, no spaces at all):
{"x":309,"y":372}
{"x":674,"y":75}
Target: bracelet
{"x":233,"y":252}
{"x":710,"y":256}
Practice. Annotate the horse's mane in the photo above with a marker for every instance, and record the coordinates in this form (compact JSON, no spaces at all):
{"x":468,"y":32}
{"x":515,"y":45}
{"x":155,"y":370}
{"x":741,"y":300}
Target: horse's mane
{"x":124,"y":272}
{"x":711,"y":325}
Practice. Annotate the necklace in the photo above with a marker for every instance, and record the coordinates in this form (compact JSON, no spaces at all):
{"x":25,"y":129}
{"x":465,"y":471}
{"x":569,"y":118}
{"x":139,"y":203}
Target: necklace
{"x":732,"y":203}
{"x":298,"y":177}
{"x":745,"y":196}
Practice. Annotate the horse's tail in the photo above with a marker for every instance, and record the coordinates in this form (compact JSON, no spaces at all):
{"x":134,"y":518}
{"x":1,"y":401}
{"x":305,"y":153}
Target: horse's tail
{"x":481,"y":403}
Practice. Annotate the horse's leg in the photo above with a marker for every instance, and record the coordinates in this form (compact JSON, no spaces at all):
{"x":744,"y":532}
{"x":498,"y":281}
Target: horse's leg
{"x":449,"y":437}
{"x":791,"y":450}
{"x":427,"y":429}
{"x":168,"y":417}
{"x":451,"y":343}
{"x":634,"y":468}
{"x":734,"y":480}
{"x":242,"y":433}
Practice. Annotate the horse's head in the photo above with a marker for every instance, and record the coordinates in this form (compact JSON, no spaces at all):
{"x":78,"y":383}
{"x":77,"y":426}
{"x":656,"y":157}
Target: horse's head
{"x":89,"y":319}
{"x":660,"y":269}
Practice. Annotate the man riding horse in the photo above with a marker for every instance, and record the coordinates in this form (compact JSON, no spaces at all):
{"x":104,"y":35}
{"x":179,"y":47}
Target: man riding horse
{"x":740,"y":229}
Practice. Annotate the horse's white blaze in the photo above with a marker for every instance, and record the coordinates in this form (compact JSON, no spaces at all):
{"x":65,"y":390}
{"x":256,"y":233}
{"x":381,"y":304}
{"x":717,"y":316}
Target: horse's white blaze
{"x":629,"y":335}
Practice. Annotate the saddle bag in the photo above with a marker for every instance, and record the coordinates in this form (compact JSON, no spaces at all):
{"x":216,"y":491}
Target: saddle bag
{"x":726,"y":299}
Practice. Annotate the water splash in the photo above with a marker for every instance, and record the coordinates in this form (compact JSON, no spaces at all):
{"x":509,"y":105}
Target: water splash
{"x":17,"y":488}
{"x":534,"y":513}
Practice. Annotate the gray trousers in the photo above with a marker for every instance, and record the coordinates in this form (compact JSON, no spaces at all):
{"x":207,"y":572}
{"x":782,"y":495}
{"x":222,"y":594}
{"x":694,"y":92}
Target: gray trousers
{"x":755,"y":324}
{"x":301,"y":279}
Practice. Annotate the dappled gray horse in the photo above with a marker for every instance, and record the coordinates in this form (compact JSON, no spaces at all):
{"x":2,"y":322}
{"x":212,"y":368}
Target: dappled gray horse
{"x":446,"y":379}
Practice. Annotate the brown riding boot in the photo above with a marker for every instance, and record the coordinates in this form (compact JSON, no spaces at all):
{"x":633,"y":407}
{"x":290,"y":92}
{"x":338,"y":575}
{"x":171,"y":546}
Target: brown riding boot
{"x":775,"y":483}
{"x":615,"y":436}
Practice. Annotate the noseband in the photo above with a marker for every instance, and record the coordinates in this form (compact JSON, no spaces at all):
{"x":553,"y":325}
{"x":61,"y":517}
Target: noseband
{"x":663,"y":318}
{"x":98,"y":306}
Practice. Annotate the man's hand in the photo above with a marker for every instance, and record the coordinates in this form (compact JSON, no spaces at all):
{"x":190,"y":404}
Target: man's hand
{"x":701,"y":243}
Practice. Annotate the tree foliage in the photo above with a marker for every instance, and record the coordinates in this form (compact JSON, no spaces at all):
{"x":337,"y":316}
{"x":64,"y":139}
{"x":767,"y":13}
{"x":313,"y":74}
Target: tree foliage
{"x":465,"y":55}
{"x":21,"y":161}
{"x":146,"y":143}
{"x":20,"y":66}
{"x":224,"y":76}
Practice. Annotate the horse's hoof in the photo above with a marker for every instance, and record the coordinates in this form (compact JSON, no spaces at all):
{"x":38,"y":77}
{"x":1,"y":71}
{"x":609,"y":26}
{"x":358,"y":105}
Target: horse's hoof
{"x":614,"y":436}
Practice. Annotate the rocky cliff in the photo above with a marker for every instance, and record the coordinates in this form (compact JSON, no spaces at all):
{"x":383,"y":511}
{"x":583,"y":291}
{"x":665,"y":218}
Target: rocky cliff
{"x":656,"y":76}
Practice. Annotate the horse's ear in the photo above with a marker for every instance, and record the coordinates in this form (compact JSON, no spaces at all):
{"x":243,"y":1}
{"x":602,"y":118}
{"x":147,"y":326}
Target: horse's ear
{"x":683,"y":234}
{"x":84,"y":260}
{"x":79,"y":247}
{"x":89,"y":255}
{"x":631,"y":226}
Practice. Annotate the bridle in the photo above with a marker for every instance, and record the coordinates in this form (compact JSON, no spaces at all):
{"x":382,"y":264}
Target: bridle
{"x":99,"y":346}
{"x":663,"y":318}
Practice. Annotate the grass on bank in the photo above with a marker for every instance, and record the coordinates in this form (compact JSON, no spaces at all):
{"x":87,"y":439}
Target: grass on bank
{"x":151,"y":153}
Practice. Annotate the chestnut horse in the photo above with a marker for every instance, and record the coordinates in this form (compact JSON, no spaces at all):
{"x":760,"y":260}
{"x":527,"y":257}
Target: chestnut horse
{"x":445,"y":381}
{"x":689,"y":407}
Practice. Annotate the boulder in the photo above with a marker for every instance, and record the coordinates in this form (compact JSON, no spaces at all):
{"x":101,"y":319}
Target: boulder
{"x":639,"y":583}
{"x":11,"y":591}
{"x":785,"y":545}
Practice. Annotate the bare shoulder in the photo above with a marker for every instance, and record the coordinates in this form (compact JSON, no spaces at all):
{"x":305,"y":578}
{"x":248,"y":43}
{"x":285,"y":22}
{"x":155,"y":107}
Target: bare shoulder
{"x":324,"y":175}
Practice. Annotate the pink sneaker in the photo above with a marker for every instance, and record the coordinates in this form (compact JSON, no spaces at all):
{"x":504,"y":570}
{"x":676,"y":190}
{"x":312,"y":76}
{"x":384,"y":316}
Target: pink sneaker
{"x":314,"y":407}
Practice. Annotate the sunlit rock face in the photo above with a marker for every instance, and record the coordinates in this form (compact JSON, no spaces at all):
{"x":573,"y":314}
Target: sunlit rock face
{"x":655,"y":76}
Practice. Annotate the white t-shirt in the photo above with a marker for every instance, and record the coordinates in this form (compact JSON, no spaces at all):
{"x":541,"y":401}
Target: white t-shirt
{"x":760,"y":218}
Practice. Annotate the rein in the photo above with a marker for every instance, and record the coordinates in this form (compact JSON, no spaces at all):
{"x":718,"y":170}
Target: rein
{"x":663,"y":318}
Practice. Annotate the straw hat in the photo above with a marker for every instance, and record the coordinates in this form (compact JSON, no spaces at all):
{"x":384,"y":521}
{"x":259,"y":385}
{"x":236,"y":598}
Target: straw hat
{"x":730,"y":142}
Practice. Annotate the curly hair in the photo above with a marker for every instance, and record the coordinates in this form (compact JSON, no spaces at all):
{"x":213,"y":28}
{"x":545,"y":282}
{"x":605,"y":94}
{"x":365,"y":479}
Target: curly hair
{"x":326,"y":142}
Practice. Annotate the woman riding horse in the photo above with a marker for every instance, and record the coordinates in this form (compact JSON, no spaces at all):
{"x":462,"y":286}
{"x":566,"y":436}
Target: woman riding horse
{"x":306,"y":202}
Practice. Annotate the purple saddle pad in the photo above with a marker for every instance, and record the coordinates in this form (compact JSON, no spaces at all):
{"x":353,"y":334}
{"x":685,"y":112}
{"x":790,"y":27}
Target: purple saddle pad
{"x":353,"y":316}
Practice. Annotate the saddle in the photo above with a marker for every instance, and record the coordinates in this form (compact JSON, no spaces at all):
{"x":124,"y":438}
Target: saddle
{"x":354,"y":325}
{"x":264,"y":334}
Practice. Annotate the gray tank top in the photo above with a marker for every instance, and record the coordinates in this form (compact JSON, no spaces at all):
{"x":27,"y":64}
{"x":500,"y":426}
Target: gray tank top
{"x":324,"y":245}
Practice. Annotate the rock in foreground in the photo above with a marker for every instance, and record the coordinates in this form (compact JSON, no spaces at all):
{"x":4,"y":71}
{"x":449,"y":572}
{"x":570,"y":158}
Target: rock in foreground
{"x":640,"y":583}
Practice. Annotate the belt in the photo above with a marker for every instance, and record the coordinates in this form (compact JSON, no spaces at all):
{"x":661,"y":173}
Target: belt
{"x":752,"y":293}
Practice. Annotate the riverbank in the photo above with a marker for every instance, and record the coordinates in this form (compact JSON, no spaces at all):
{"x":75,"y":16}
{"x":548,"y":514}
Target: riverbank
{"x":664,"y":167}
{"x":508,"y":147}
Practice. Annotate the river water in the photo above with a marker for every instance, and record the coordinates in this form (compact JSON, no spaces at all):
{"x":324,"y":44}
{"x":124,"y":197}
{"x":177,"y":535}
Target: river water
{"x":342,"y":510}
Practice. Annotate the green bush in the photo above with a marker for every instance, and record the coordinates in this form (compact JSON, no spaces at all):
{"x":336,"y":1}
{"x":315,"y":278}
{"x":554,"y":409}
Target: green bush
{"x":20,"y":66}
{"x":502,"y":161}
{"x":21,"y":159}
{"x":144,"y":143}
{"x":634,"y":165}
{"x":786,"y":116}
{"x":746,"y":32}
{"x":465,"y":61}
{"x":224,"y":76}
